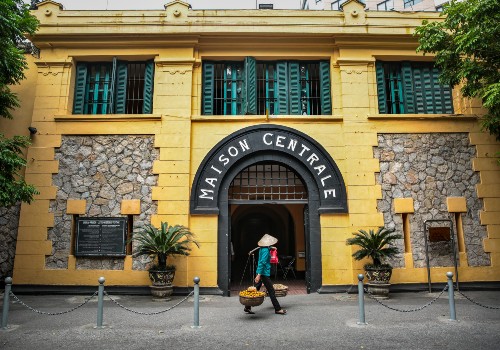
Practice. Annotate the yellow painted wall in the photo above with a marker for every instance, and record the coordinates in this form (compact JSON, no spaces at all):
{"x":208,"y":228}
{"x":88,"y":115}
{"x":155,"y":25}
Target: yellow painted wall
{"x":25,"y":92}
{"x":178,"y":44}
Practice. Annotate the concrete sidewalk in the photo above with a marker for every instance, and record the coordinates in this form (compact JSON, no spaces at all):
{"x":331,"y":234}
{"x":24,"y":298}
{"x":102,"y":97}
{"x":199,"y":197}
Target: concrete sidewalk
{"x":314,"y":321}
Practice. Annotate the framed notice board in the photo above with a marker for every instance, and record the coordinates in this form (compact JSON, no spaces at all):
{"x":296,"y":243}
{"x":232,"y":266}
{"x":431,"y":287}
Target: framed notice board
{"x":101,"y":236}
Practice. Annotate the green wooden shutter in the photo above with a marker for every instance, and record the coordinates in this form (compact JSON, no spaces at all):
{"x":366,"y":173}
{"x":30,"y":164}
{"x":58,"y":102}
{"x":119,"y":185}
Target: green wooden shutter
{"x":325,"y":86}
{"x":381,"y":91}
{"x":80,"y":88}
{"x":447,"y":99}
{"x":428,"y":90}
{"x":250,"y":84}
{"x":418,"y":90}
{"x":208,"y":88}
{"x":408,"y":96}
{"x":438,"y":105}
{"x":111,"y":104}
{"x":294,"y":87}
{"x":121,"y":87}
{"x":282,"y":80}
{"x":149,"y":72}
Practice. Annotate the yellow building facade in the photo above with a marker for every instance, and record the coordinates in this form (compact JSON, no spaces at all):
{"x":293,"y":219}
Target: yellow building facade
{"x":251,"y":121}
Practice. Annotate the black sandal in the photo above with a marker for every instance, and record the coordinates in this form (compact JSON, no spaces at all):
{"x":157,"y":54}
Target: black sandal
{"x":280,"y":312}
{"x":248,"y":311}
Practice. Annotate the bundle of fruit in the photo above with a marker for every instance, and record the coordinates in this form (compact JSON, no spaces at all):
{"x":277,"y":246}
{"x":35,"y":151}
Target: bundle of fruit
{"x":251,"y":297}
{"x":280,"y":290}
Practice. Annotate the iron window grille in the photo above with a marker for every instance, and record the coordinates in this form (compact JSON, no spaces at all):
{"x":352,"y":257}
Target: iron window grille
{"x":228,"y":82}
{"x":117,"y":87}
{"x":267,"y":182}
{"x":275,"y":88}
{"x":411,"y":88}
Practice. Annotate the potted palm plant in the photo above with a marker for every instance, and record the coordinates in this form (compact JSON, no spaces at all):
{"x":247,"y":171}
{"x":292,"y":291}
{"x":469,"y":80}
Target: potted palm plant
{"x":159,"y":244}
{"x":378,"y":246}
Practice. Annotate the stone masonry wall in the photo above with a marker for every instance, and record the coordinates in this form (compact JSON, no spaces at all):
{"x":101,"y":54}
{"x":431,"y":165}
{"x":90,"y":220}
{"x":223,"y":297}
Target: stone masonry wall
{"x":9,"y":222}
{"x":429,"y":168}
{"x":103,"y":170}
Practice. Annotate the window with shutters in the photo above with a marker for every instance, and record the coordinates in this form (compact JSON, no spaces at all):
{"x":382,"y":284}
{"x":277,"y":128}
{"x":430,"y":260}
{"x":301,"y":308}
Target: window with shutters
{"x":261,"y":87}
{"x":411,"y":88}
{"x":117,"y":87}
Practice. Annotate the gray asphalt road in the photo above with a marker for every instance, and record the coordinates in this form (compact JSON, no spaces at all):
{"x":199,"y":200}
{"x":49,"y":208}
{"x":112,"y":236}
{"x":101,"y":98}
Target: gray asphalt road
{"x":326,"y":321}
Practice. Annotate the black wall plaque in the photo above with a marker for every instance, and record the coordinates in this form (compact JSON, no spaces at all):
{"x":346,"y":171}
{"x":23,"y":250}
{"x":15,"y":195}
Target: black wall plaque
{"x":101,"y":236}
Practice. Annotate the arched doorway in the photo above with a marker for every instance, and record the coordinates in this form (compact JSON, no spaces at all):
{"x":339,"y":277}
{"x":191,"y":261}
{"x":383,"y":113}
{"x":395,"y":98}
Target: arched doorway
{"x":272,"y":145}
{"x":282,"y":220}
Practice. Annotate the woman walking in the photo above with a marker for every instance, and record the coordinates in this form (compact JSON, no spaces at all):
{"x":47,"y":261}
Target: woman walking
{"x":264,"y":271}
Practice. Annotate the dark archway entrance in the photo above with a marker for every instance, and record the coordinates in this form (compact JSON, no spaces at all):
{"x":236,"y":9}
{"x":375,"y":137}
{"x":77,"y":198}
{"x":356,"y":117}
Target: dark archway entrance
{"x":278,"y":145}
{"x":286,"y":223}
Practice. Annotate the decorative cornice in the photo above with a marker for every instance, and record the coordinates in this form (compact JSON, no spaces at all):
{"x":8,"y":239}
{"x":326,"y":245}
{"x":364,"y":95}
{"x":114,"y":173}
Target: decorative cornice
{"x":53,"y":67}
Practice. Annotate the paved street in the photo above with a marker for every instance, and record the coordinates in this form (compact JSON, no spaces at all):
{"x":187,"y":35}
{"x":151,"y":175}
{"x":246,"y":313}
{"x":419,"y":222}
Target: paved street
{"x":314,"y":321}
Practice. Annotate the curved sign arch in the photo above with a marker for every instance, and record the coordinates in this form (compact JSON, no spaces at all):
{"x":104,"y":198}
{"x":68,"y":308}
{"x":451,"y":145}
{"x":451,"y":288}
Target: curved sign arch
{"x":279,"y":140}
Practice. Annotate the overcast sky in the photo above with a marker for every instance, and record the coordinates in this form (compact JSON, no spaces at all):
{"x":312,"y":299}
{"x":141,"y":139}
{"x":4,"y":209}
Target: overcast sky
{"x":158,"y":4}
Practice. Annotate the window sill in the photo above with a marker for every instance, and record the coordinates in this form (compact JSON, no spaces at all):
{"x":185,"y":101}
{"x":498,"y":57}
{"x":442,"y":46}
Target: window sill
{"x":422,"y":116}
{"x":106,"y":117}
{"x":231,"y":118}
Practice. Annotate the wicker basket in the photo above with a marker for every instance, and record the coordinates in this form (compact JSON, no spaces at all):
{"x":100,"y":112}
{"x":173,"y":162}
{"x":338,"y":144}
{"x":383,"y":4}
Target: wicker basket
{"x":255,"y":301}
{"x":279,"y":292}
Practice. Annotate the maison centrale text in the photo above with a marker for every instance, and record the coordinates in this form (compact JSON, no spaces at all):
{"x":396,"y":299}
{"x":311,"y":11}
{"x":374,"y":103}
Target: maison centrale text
{"x":279,"y":142}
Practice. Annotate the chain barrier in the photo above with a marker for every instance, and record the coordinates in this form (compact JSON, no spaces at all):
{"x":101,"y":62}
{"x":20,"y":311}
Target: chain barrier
{"x":478,"y":304}
{"x":53,"y":313}
{"x":370,"y":295}
{"x":147,"y":313}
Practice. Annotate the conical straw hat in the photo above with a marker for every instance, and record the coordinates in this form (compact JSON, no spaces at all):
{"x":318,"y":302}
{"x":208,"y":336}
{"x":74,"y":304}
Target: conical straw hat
{"x":267,"y":240}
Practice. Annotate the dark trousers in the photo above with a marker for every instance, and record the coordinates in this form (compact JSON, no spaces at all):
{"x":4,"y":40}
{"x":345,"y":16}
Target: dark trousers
{"x":270,"y":290}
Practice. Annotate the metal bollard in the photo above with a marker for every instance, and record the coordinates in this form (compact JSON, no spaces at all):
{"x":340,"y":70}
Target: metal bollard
{"x":100,"y":299}
{"x":6,"y":300}
{"x":196,"y":303}
{"x":451,"y":296}
{"x":361,"y":300}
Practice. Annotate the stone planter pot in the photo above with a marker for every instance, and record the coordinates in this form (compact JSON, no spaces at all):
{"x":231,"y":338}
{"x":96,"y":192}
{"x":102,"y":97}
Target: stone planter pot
{"x":378,"y":281}
{"x":161,"y":289}
{"x":378,"y":275}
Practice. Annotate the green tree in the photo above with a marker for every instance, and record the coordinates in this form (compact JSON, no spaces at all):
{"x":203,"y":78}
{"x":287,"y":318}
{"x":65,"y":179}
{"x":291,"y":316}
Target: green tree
{"x":13,"y":188}
{"x":15,"y":23}
{"x":467,"y":48}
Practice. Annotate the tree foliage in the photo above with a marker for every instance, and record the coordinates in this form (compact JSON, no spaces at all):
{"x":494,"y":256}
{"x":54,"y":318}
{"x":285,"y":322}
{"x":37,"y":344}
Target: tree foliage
{"x":13,"y":188}
{"x":467,"y":48}
{"x":15,"y":23}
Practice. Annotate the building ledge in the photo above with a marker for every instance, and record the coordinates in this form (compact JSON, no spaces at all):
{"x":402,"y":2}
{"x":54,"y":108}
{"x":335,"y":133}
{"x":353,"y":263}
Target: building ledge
{"x":106,"y":117}
{"x":464,"y":117}
{"x":230,"y":118}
